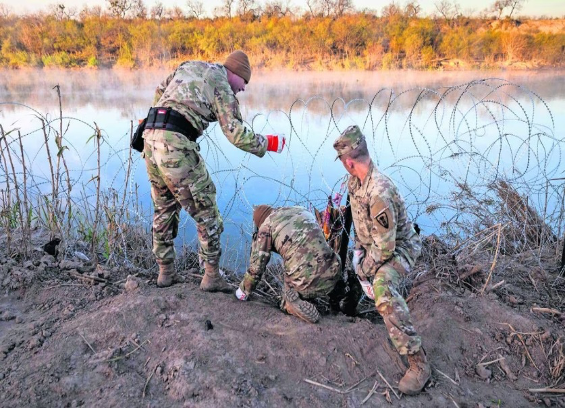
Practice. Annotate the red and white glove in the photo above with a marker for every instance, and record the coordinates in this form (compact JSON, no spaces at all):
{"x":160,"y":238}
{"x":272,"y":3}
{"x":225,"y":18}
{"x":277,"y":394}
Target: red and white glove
{"x":275,"y":143}
{"x":240,"y":294}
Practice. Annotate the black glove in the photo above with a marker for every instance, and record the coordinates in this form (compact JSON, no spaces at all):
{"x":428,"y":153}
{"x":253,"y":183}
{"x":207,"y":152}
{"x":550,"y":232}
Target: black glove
{"x":346,"y":295}
{"x":349,"y":304}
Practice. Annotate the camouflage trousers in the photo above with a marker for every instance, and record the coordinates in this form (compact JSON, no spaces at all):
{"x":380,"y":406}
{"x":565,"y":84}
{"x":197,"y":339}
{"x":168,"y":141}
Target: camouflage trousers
{"x":179,"y":179}
{"x":393,"y":308}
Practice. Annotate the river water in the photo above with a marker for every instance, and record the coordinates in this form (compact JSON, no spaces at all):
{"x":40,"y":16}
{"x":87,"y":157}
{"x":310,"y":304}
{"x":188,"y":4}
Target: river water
{"x":428,"y":130}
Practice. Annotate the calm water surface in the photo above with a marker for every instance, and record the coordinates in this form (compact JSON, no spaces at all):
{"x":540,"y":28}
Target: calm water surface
{"x":426,"y":135}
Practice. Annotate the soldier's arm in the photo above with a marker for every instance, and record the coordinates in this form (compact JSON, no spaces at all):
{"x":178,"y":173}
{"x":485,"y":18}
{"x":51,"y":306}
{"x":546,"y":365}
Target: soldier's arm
{"x":383,"y":233}
{"x":259,"y":257}
{"x":161,"y":88}
{"x":227,"y":110}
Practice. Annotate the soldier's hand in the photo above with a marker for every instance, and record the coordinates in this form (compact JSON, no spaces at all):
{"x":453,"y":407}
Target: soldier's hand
{"x":275,"y":143}
{"x":357,"y":259}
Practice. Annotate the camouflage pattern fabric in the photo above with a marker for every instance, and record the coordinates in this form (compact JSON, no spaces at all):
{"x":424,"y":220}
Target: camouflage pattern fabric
{"x":179,"y":179}
{"x":311,"y":267}
{"x":381,"y":222}
{"x":391,"y":247}
{"x":201,"y":93}
{"x":394,"y":310}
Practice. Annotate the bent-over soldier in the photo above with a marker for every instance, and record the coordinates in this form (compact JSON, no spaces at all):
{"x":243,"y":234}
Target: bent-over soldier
{"x":386,"y":247}
{"x":192,"y":97}
{"x":312,"y":268}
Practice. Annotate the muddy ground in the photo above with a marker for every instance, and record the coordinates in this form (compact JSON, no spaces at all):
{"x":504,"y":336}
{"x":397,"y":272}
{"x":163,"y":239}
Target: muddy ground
{"x":75,"y":334}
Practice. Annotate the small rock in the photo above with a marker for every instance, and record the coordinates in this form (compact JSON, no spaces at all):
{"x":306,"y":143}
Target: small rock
{"x":131,"y":283}
{"x":7,"y":316}
{"x":158,"y":370}
{"x":48,"y":260}
{"x":545,"y":335}
{"x":66,"y":264}
{"x":547,"y":402}
{"x":512,"y":299}
{"x":35,"y":342}
{"x":483,"y":372}
{"x":46,"y":333}
{"x":81,"y":256}
{"x":19,"y":320}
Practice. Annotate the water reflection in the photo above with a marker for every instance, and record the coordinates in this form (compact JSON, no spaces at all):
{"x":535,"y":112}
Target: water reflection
{"x":426,"y":135}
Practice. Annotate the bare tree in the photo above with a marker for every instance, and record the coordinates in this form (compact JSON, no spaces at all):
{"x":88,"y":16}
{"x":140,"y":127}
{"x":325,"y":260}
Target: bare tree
{"x":515,"y":5}
{"x":327,"y":7}
{"x":61,"y":12}
{"x":94,"y":11}
{"x":444,"y":8}
{"x":412,"y":9}
{"x":500,"y":5}
{"x":5,"y":11}
{"x":450,"y":11}
{"x":246,"y":6}
{"x":276,"y":8}
{"x":139,"y":9}
{"x":157,"y":11}
{"x":120,"y":8}
{"x":312,"y":6}
{"x":196,"y":8}
{"x":341,"y":7}
{"x":227,"y":7}
{"x":175,"y":13}
{"x":391,"y":10}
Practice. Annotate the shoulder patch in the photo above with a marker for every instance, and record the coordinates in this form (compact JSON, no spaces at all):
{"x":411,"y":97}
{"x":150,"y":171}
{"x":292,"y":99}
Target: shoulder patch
{"x":383,"y":219}
{"x":381,"y":212}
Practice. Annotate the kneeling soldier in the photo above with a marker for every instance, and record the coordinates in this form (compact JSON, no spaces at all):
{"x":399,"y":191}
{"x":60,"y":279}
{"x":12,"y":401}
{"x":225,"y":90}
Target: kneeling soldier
{"x":312,"y":269}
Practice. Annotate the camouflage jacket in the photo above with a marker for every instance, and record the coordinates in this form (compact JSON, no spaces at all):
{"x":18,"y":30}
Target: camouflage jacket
{"x":380,"y":221}
{"x":294,"y":233}
{"x":201,"y":93}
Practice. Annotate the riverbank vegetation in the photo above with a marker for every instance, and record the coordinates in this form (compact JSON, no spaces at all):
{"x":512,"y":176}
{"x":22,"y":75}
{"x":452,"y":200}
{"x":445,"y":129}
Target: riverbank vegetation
{"x":277,"y":36}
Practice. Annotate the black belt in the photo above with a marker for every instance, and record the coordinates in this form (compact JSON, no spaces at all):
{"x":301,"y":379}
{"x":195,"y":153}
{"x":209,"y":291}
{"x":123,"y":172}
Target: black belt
{"x":170,"y":119}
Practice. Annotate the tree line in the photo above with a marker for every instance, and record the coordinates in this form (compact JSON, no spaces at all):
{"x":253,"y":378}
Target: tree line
{"x":327,"y":34}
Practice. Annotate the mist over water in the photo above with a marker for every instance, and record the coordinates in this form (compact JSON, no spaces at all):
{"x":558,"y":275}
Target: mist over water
{"x":417,"y":127}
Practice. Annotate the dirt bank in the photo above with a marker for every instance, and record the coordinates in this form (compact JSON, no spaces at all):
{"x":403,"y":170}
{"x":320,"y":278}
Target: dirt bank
{"x":69,"y":340}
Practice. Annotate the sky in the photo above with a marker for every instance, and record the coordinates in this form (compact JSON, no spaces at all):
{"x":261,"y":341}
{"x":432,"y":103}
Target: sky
{"x":535,"y":8}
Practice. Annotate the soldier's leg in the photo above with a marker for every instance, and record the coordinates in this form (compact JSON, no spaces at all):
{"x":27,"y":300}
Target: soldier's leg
{"x":186,"y":176}
{"x":320,"y":280}
{"x":394,"y":310}
{"x":165,"y":217}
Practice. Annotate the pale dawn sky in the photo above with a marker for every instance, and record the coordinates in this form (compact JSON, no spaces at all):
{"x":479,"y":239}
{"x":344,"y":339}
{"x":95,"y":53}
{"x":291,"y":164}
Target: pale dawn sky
{"x":551,"y":8}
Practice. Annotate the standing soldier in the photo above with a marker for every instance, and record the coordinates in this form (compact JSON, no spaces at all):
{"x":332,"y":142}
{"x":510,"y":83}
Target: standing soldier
{"x":312,"y":268}
{"x":386,"y":247}
{"x":196,"y":94}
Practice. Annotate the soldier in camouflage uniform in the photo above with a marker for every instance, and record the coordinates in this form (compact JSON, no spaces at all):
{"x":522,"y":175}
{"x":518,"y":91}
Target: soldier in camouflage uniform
{"x":386,"y":247}
{"x":312,"y":268}
{"x":200,"y":93}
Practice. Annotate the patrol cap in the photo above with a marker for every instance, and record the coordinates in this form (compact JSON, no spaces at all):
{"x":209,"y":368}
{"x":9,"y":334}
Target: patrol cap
{"x":349,"y":140}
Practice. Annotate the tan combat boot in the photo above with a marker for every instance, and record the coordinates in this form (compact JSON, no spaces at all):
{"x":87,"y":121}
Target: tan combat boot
{"x":293,"y":304}
{"x":212,"y":281}
{"x":417,"y":375}
{"x":167,"y":275}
